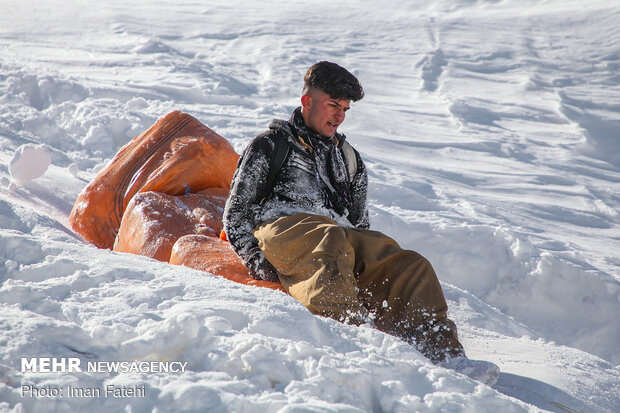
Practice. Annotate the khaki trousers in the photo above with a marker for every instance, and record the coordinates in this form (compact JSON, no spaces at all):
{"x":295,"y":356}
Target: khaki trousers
{"x":349,"y":273}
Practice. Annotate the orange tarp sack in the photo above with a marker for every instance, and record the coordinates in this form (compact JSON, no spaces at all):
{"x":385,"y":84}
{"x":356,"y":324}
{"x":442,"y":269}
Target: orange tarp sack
{"x":163,"y":196}
{"x":191,"y":250}
{"x":153,"y":221}
{"x":178,"y":154}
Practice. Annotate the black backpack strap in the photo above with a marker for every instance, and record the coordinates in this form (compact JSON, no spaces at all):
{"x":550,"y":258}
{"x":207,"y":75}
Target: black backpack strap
{"x":279,"y":156}
{"x":281,"y":151}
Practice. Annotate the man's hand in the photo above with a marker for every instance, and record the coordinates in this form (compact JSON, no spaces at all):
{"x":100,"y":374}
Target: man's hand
{"x":260,"y":268}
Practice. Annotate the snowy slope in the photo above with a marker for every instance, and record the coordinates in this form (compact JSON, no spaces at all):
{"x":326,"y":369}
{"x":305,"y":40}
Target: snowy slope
{"x":491,"y":133}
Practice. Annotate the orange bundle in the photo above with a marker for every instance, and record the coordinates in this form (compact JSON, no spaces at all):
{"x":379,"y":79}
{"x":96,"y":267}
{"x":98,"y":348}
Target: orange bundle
{"x":178,"y":154}
{"x":154,"y":221}
{"x":163,"y":196}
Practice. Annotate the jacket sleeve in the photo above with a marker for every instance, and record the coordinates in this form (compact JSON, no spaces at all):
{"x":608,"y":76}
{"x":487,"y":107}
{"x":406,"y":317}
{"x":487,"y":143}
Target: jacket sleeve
{"x":248,"y":188}
{"x":358,"y":212}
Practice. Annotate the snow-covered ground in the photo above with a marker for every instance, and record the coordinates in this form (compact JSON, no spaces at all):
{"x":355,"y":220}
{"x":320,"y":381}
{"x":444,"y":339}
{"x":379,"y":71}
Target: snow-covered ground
{"x":491,"y":130}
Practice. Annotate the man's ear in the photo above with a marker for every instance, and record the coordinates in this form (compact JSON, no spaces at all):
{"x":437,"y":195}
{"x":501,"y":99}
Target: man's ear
{"x":306,"y":100}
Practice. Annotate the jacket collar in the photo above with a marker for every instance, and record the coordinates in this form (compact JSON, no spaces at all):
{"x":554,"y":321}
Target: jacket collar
{"x":309,"y":136}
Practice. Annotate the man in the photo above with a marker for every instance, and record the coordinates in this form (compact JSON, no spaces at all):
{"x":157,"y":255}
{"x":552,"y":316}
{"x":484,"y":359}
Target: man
{"x":307,"y":227}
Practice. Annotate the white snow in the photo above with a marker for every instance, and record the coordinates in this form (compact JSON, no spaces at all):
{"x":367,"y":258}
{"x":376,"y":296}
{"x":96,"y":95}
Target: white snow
{"x":491,"y":134}
{"x":29,"y":162}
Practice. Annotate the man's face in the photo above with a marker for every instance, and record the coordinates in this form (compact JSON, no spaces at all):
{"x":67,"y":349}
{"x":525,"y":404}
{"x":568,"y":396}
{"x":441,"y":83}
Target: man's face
{"x":322,"y":113}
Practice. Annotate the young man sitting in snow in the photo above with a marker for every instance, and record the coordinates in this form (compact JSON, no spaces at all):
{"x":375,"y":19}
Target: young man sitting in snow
{"x":307,"y":227}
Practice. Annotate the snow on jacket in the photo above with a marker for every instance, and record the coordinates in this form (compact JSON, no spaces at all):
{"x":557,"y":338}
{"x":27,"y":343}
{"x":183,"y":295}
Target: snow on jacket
{"x":313,"y":179}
